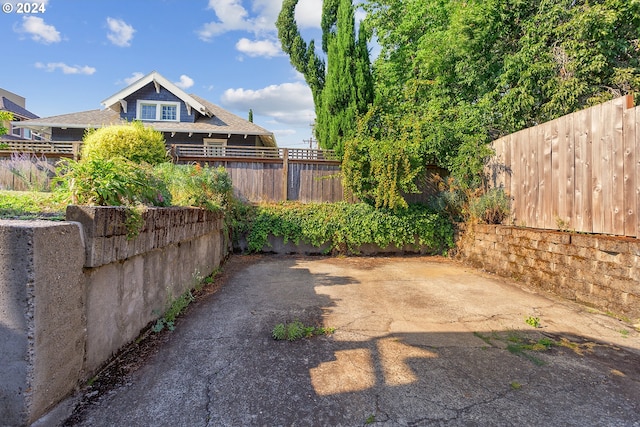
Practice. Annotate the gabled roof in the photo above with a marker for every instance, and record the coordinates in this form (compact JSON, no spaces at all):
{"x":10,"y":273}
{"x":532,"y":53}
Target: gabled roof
{"x":117,"y":101}
{"x":214,"y":120}
{"x":8,"y":105}
{"x":221,"y":122}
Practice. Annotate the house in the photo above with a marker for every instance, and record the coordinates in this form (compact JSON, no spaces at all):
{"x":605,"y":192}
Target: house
{"x":157,"y":102}
{"x":15,"y":104}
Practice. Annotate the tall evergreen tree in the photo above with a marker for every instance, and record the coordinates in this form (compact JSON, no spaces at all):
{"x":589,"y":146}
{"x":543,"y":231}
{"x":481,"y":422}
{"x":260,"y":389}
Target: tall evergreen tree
{"x":345,"y":89}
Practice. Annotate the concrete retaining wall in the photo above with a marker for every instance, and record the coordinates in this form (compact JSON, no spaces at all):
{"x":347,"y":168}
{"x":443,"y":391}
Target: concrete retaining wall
{"x":73,"y":293}
{"x":600,"y":271}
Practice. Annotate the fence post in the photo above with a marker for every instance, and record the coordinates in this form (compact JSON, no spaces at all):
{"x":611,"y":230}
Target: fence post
{"x":76,"y":150}
{"x":285,"y":174}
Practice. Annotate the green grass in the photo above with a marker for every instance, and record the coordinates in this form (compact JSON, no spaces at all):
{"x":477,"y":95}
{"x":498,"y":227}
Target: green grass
{"x":31,"y":205}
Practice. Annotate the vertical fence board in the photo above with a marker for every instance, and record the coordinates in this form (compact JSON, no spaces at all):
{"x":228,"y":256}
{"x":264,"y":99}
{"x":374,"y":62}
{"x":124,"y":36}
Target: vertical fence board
{"x":565,"y":160}
{"x":533,"y":178}
{"x":637,"y":170}
{"x":584,"y":168}
{"x":631,"y":178}
{"x":617,"y":161}
{"x":546,"y":143}
{"x":597,"y":155}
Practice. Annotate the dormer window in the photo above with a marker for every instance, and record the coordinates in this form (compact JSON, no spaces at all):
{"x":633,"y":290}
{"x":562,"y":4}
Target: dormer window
{"x":158,"y":111}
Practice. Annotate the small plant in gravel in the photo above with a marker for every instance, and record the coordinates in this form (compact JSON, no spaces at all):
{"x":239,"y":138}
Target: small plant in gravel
{"x":297,"y":330}
{"x":533,"y":321}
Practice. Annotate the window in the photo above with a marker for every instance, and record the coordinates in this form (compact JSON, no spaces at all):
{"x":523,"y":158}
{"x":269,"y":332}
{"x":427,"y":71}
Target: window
{"x":169,"y":112}
{"x":147,"y":112}
{"x":16,"y":131}
{"x":159,"y":111}
{"x":27,"y":134}
{"x":214,"y":147}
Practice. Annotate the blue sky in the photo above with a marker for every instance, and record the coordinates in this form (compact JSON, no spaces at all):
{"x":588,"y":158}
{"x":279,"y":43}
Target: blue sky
{"x":77,"y":53}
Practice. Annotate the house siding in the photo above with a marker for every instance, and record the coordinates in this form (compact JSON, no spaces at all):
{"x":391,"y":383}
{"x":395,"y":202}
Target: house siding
{"x":235,"y":140}
{"x":58,"y":134}
{"x":148,"y":93}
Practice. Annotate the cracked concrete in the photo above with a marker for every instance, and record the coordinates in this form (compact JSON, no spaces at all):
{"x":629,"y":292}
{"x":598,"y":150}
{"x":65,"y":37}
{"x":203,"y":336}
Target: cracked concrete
{"x":419,"y":341}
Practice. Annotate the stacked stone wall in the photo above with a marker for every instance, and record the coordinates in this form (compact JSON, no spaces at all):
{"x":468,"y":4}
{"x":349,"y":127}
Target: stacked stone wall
{"x":600,"y":271}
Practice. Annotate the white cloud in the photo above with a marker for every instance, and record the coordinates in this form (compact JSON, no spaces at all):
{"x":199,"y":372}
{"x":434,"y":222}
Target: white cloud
{"x":39,"y":30}
{"x":231,"y":16}
{"x":66,"y":69}
{"x":120,"y":33}
{"x":266,"y":48}
{"x":259,"y":20}
{"x":185,"y":82}
{"x":134,"y":77}
{"x":290,"y":103}
{"x":309,"y":13}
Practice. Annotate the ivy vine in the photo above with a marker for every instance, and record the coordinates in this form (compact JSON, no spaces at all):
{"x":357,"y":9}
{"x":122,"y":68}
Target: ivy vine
{"x":344,"y":227}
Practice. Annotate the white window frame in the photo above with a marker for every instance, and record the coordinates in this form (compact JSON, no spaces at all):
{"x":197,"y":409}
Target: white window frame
{"x":214,"y":147}
{"x":14,"y":129}
{"x":158,"y":105}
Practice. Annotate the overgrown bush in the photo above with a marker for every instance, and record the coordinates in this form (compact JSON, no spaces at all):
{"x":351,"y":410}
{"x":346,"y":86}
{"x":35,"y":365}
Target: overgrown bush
{"x":492,"y":207}
{"x":194,"y":185}
{"x":132,"y":141}
{"x":112,"y":182}
{"x":345,"y":226}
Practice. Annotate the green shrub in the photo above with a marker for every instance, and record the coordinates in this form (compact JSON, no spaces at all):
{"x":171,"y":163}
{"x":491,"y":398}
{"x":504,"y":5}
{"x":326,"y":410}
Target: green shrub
{"x":132,"y":141}
{"x":492,"y":207}
{"x":193,"y":185}
{"x":112,"y":182}
{"x":346,"y":226}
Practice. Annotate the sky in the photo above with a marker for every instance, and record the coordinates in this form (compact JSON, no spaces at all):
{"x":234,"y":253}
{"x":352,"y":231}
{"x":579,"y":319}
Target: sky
{"x":67,"y":56}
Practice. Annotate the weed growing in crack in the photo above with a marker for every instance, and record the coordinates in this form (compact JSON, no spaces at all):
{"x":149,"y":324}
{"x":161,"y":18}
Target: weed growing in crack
{"x":533,"y":321}
{"x":297,"y":330}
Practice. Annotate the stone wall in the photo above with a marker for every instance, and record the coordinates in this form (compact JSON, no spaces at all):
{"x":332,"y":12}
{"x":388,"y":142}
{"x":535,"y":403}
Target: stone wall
{"x":600,"y":271}
{"x":73,"y":293}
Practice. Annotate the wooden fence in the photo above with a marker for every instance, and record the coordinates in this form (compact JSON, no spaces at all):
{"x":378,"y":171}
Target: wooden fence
{"x":264,"y":174}
{"x":579,"y":172}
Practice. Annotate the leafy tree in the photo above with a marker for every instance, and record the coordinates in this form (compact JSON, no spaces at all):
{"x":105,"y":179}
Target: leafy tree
{"x":5,"y":116}
{"x":250,"y":115}
{"x":452,"y":76}
{"x":343,"y":88}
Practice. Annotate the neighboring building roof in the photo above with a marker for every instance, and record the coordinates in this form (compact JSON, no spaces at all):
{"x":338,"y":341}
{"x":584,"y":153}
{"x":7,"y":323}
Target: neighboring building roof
{"x":115,"y":102}
{"x":7,"y":105}
{"x":214,"y":119}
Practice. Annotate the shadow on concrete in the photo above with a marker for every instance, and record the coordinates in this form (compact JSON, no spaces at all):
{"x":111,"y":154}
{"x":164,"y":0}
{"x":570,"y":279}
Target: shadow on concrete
{"x":398,"y":357}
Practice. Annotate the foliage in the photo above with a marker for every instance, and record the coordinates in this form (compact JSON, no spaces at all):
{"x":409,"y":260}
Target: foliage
{"x":379,"y":165}
{"x":346,"y":89}
{"x":31,"y":205}
{"x":296,"y":330}
{"x":174,"y":309}
{"x":33,"y":170}
{"x":344,"y":226}
{"x":132,"y":141}
{"x":451,"y":76}
{"x":194,"y":185}
{"x":492,"y":207}
{"x":533,"y":321}
{"x":452,"y":199}
{"x":5,"y":116}
{"x":111,"y":182}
